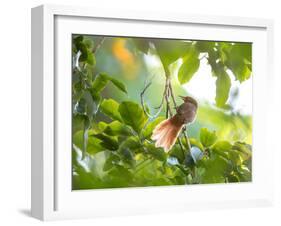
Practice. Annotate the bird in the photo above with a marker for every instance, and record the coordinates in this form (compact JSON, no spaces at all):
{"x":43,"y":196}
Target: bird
{"x":166,"y":132}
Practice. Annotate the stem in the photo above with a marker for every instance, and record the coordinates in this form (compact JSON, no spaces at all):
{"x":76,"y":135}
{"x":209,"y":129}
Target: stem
{"x":186,"y":138}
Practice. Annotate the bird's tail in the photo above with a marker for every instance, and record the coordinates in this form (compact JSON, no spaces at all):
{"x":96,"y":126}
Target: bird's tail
{"x":165,"y":134}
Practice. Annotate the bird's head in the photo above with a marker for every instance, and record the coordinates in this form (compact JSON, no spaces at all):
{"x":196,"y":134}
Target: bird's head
{"x":188,"y":99}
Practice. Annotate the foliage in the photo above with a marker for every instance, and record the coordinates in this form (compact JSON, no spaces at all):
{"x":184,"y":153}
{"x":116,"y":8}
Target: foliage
{"x":111,"y":138}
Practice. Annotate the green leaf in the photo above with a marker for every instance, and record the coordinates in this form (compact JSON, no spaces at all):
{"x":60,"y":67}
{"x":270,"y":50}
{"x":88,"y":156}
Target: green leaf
{"x":82,"y":179}
{"x":97,"y":100}
{"x":223,"y":85}
{"x":150,"y":126}
{"x":127,"y":156}
{"x":157,"y":153}
{"x":89,"y":43}
{"x":77,"y":122}
{"x":75,"y":76}
{"x":215,"y":62}
{"x":80,"y":108}
{"x":91,"y":58}
{"x":243,"y":73}
{"x":222,"y":148}
{"x":204,"y":46}
{"x":100,"y":82}
{"x":110,"y":108}
{"x":235,"y":157}
{"x":116,"y":128}
{"x":239,"y":60}
{"x":244,"y":173}
{"x":133,"y":115}
{"x":78,"y":39}
{"x":233,"y":178}
{"x":244,"y":150}
{"x":132,"y":143}
{"x":93,"y":145}
{"x":119,"y":85}
{"x":188,"y":69}
{"x":215,"y":169}
{"x":207,"y":138}
{"x":223,"y":50}
{"x":101,"y":126}
{"x":122,"y":175}
{"x":87,"y":124}
{"x":170,"y":51}
{"x":108,"y":164}
{"x":141,"y":44}
{"x":237,"y":153}
{"x":111,"y":161}
{"x":85,"y":47}
{"x":84,"y":51}
{"x":176,"y":152}
{"x":107,"y":142}
{"x":87,"y":105}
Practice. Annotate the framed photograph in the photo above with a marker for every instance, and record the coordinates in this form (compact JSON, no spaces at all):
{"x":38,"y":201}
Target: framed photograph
{"x":136,"y":112}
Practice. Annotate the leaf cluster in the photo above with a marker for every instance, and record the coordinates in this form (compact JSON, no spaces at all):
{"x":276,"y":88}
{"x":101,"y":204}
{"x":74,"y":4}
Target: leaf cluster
{"x":224,"y":59}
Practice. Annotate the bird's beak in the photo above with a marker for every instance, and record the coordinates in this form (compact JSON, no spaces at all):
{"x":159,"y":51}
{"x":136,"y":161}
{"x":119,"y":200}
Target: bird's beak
{"x":182,"y":97}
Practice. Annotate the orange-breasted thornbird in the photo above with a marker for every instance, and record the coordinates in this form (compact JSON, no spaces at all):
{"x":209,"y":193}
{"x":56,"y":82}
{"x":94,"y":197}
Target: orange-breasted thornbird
{"x":165,"y":134}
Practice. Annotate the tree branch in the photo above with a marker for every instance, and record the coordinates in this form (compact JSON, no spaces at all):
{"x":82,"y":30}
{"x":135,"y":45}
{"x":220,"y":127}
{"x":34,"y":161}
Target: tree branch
{"x":184,"y":127}
{"x":167,"y":98}
{"x":169,"y":110}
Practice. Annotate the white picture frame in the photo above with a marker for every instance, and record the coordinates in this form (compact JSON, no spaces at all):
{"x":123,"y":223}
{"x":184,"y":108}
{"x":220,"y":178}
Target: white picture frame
{"x":52,"y":197}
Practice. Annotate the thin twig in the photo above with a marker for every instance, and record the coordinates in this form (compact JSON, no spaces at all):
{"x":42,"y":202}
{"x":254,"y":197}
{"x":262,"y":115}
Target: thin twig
{"x":98,"y":45}
{"x":147,"y":85}
{"x":181,"y":146}
{"x":142,"y":100}
{"x":167,"y":97}
{"x":169,"y":110}
{"x":186,"y":137}
{"x":173,"y":96}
